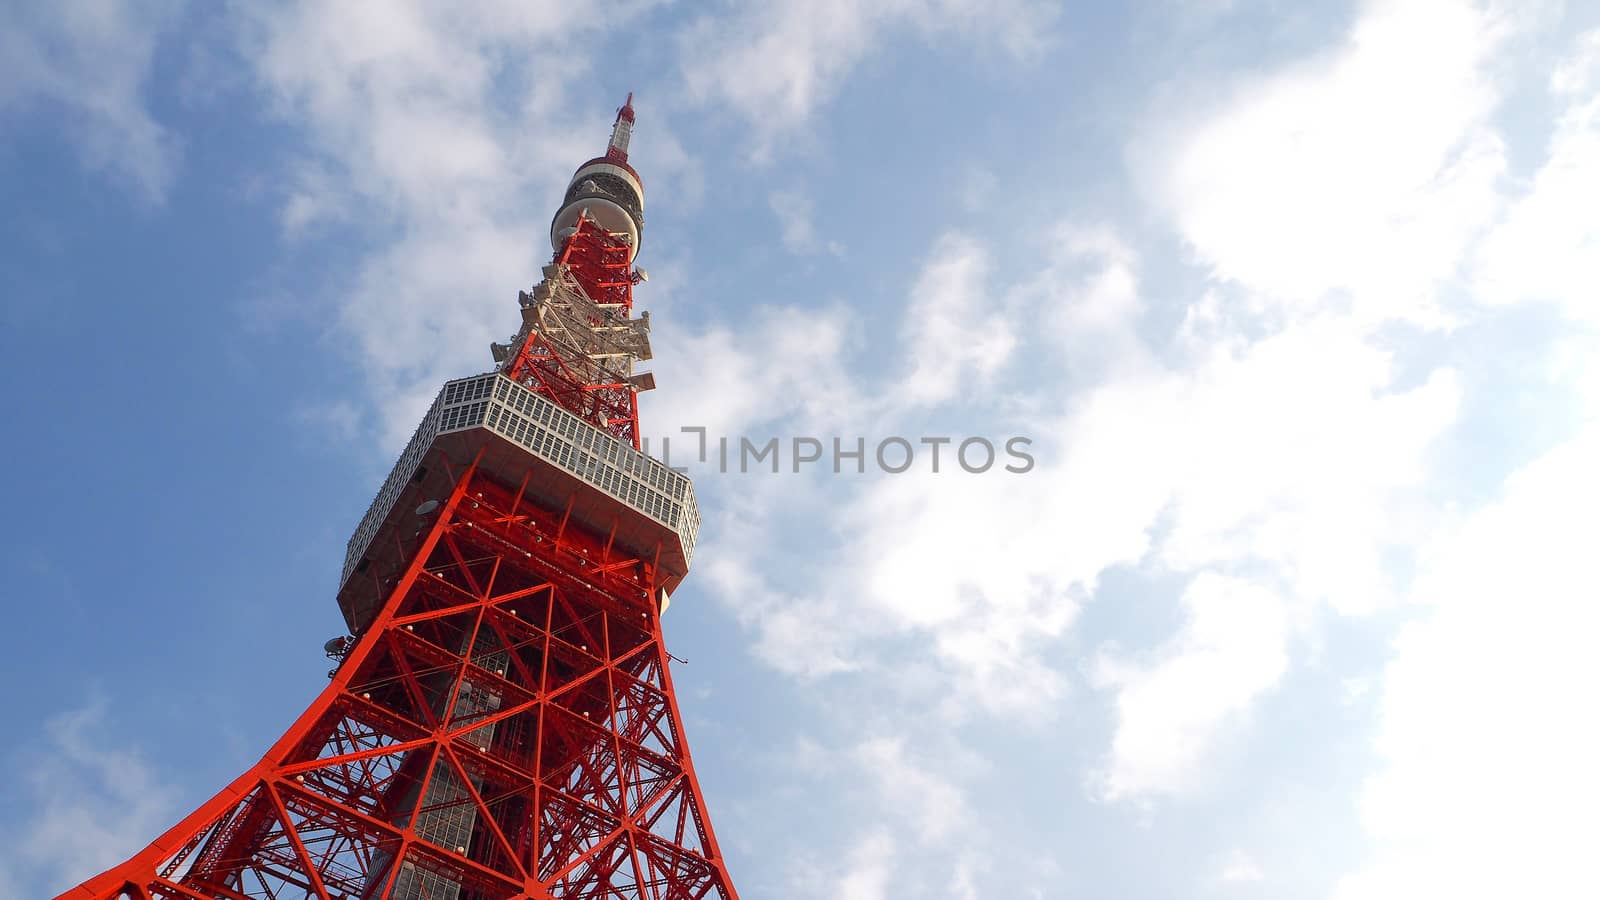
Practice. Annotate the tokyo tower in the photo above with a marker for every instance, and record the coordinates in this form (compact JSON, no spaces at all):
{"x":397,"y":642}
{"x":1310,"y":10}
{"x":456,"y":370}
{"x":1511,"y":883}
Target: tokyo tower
{"x":501,"y":721}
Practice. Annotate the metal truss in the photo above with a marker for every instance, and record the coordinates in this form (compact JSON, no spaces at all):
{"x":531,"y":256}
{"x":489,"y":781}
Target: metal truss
{"x":579,"y":341}
{"x":505,"y":728}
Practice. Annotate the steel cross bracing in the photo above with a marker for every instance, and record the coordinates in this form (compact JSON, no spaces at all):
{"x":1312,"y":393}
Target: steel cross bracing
{"x":505,"y":728}
{"x":578,"y":341}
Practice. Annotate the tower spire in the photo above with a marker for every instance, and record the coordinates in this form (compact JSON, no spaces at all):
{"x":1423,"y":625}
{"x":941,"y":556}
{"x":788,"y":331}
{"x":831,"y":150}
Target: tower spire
{"x":579,"y":340}
{"x":621,"y":131}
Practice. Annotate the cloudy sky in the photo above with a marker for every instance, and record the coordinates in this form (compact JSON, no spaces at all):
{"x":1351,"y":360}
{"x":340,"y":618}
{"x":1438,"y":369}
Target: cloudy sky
{"x":1296,"y":304}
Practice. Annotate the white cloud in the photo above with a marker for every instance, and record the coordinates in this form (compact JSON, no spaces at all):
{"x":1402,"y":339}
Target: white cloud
{"x":870,"y":866}
{"x":793,"y":210}
{"x":315,"y":197}
{"x":90,"y":804}
{"x":1347,"y":188}
{"x":775,"y":63}
{"x":1098,"y":274}
{"x":958,"y":333}
{"x":934,"y":806}
{"x":931,"y":555}
{"x":798,"y":232}
{"x":917,"y":555}
{"x":1548,"y":247}
{"x":1295,"y":451}
{"x":1574,"y":364}
{"x":1487,"y":726}
{"x":1233,"y":646}
{"x":1241,"y":867}
{"x":1579,"y":73}
{"x":1298,"y":451}
{"x":807,"y":635}
{"x":1367,"y":169}
{"x":964,"y":882}
{"x":785,"y":364}
{"x":865,"y":870}
{"x":90,"y":59}
{"x":1489,"y":729}
{"x":911,"y":822}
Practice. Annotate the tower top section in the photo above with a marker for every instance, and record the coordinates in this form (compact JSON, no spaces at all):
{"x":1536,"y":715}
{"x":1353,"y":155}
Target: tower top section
{"x":621,"y":132}
{"x":606,"y":190}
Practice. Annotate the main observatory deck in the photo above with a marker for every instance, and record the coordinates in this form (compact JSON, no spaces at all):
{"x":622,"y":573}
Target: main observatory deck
{"x":645,"y":507}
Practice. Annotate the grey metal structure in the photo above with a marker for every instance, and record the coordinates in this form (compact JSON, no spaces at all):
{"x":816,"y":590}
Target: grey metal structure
{"x":562,"y":460}
{"x":598,"y":341}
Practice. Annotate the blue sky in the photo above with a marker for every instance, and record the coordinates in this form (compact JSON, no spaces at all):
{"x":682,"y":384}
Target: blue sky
{"x":1295,"y":301}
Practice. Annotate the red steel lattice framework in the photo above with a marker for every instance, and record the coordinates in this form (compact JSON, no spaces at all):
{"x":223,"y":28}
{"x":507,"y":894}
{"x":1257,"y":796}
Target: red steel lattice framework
{"x":599,"y":392}
{"x":502,"y":722}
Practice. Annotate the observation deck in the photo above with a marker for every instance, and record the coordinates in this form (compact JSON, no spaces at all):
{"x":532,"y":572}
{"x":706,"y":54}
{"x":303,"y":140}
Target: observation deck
{"x":565,"y":463}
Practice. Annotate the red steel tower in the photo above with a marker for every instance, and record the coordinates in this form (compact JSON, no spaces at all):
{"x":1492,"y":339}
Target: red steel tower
{"x":501,"y":723}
